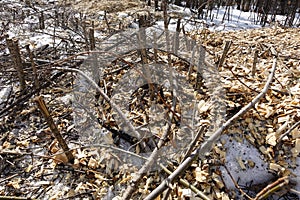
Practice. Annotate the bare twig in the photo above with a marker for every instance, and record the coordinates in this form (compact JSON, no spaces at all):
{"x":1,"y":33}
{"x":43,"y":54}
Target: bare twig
{"x":199,"y":79}
{"x":14,"y":50}
{"x":92,"y":37}
{"x":193,"y":143}
{"x":226,"y":49}
{"x":42,"y":21}
{"x":207,"y":145}
{"x":235,"y":183}
{"x":28,"y":95}
{"x":288,"y":132}
{"x":187,"y":184}
{"x":295,"y":191}
{"x":8,"y":178}
{"x":167,"y":194}
{"x":237,"y":78}
{"x":253,"y":71}
{"x":271,"y":188}
{"x":106,"y":21}
{"x":14,"y":198}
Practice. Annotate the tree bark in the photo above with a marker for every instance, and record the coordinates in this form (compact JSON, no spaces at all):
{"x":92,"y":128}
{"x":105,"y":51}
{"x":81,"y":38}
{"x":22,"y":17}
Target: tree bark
{"x":156,"y":5}
{"x":13,"y":47}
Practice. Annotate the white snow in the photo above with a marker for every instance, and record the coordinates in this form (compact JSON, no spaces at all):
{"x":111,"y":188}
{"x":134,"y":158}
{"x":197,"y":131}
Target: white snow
{"x":245,"y":152}
{"x":4,"y":92}
{"x":215,"y":21}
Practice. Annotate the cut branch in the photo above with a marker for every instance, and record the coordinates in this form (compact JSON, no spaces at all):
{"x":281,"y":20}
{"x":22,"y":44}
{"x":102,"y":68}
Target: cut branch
{"x":225,"y":52}
{"x":14,"y":50}
{"x":42,"y":106}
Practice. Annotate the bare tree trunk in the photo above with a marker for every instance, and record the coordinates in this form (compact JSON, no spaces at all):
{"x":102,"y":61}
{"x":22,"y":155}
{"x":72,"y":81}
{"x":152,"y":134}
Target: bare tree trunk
{"x":291,"y":14}
{"x":156,"y":5}
{"x":238,"y":2}
{"x":259,"y":6}
{"x":201,"y":6}
{"x":246,"y":5}
{"x":189,"y":4}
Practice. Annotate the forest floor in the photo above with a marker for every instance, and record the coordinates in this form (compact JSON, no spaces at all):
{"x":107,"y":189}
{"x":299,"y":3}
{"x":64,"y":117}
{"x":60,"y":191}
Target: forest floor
{"x":259,"y":149}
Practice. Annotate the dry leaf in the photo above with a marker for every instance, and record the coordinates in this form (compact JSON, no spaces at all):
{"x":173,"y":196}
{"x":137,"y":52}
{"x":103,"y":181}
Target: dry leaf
{"x":218,"y":182}
{"x":282,"y":128}
{"x":6,"y":145}
{"x":271,"y":139}
{"x":275,"y":167}
{"x":241,"y":163}
{"x":93,"y":163}
{"x":14,"y":183}
{"x":295,"y":133}
{"x":29,"y":168}
{"x":200,"y":175}
{"x":24,"y":143}
{"x":54,"y":148}
{"x":203,"y":106}
{"x":297,"y":147}
{"x":60,"y":158}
